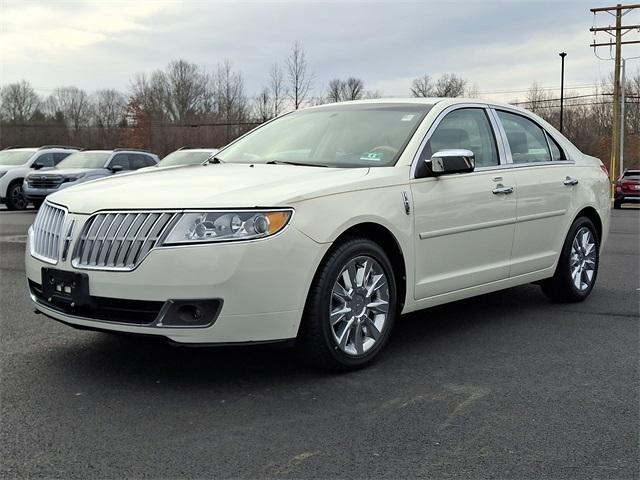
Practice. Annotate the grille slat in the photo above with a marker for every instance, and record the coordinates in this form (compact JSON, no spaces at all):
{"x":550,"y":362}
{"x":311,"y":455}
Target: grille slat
{"x":47,"y":229}
{"x":119,"y":241}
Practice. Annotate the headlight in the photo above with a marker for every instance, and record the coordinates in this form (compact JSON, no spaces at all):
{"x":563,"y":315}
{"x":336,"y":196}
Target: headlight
{"x":2,"y":174}
{"x":73,"y":178}
{"x":225,"y":226}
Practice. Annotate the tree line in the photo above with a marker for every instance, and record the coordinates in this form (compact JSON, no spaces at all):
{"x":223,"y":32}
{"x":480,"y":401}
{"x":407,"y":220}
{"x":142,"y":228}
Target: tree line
{"x":186,"y":104}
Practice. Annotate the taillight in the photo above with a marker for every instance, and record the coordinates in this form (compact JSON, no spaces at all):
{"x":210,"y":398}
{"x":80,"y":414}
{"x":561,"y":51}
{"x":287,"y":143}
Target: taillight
{"x":604,"y":169}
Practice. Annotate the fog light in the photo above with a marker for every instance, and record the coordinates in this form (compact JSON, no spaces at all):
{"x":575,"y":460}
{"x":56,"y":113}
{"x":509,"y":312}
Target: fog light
{"x":189,"y":313}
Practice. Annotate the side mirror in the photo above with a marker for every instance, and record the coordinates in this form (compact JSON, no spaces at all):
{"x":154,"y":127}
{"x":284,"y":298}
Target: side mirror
{"x":37,"y":165}
{"x":444,"y":162}
{"x":115,"y":168}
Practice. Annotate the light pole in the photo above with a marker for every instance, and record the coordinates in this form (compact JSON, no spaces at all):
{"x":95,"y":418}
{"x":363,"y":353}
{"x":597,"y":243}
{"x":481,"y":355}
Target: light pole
{"x":562,"y":55}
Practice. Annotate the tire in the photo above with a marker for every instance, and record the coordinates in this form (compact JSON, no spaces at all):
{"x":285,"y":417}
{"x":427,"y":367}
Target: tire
{"x":617,"y":204}
{"x":367,"y":332}
{"x":37,"y":203}
{"x":15,"y":198}
{"x":563,"y":286}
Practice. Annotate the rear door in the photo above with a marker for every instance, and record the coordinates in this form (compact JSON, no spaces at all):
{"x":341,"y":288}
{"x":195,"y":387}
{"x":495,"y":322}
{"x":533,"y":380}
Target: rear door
{"x":464,"y":223}
{"x":545,"y":188}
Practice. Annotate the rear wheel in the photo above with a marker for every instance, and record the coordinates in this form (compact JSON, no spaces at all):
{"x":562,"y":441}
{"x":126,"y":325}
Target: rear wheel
{"x":351,"y":307}
{"x":15,"y":197}
{"x":577,"y":267}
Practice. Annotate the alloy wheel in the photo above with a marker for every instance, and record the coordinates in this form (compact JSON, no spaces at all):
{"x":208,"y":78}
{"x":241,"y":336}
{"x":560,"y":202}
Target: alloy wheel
{"x":583,"y":259}
{"x":359,"y":305}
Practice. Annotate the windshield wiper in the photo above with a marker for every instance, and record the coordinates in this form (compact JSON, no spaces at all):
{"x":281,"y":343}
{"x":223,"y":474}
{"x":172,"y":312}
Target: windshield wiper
{"x":300,"y":164}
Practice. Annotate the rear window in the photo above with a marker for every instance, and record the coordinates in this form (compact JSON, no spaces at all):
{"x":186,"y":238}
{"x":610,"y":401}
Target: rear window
{"x":632,"y":175}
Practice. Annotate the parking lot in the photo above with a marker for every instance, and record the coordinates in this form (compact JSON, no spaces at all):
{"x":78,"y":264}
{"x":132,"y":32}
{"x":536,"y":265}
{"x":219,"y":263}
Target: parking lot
{"x":506,"y":385}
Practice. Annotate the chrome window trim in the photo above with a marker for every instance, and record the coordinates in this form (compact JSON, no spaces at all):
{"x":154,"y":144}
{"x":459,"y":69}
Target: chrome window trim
{"x":438,"y":120}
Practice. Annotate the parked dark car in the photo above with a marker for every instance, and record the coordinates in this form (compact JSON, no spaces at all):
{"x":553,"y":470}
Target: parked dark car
{"x":627,"y":188}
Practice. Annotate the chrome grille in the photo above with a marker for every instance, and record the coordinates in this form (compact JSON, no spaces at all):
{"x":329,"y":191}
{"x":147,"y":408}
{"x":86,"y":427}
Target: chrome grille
{"x":119,"y":240}
{"x":44,"y":181}
{"x":45,"y":237}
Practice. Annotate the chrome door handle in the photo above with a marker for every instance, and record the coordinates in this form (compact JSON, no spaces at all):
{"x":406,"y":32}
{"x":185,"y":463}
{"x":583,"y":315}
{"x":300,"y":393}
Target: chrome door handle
{"x":501,"y":189}
{"x":570,"y":181}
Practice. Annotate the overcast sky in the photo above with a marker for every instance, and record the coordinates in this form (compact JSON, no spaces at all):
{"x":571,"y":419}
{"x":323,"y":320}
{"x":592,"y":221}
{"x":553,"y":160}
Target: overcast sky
{"x":501,"y":46}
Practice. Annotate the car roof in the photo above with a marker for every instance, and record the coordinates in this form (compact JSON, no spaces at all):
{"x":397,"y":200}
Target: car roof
{"x":197,"y":150}
{"x":427,"y":101}
{"x":21,"y":149}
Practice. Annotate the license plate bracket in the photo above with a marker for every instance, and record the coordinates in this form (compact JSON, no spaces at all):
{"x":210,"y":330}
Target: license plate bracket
{"x":68,"y":287}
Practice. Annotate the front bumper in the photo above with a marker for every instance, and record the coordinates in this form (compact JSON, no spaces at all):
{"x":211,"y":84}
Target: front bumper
{"x":32,"y":193}
{"x":262,"y":286}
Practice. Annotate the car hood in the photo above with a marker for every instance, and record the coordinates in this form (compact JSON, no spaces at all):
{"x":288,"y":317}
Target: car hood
{"x":208,"y":186}
{"x":5,"y":168}
{"x":63,"y":171}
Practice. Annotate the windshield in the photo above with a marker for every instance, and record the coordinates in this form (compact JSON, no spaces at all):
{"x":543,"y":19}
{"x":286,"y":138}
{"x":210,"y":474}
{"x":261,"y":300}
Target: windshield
{"x":185,"y":157}
{"x":365,"y":135}
{"x":85,"y":160}
{"x":15,"y":157}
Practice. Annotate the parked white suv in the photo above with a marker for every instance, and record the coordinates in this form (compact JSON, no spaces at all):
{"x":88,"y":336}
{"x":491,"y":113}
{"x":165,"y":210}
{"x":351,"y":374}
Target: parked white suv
{"x":16,"y":163}
{"x":324,"y":225}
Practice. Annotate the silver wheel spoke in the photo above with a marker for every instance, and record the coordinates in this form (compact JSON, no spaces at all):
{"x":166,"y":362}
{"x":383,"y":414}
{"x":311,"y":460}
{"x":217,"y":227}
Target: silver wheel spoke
{"x":358,"y":340}
{"x":339,"y":315}
{"x":372,"y":330}
{"x":342,"y":341}
{"x":381,"y":306}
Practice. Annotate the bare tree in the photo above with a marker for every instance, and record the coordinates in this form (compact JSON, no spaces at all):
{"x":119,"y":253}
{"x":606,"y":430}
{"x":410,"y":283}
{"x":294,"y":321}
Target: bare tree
{"x":472,"y":91}
{"x":18,"y":102}
{"x":422,"y":87}
{"x":450,"y":85}
{"x":335,"y":91}
{"x":109,"y":108}
{"x":231,"y":101}
{"x":263,"y":105}
{"x":299,"y":76}
{"x":277,"y":88}
{"x":353,"y":89}
{"x":72,"y":104}
{"x":343,"y":90}
{"x":181,"y":94}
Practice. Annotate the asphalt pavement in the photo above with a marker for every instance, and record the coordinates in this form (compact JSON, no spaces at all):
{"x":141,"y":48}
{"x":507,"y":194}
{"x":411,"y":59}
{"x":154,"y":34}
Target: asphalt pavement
{"x":506,"y":385}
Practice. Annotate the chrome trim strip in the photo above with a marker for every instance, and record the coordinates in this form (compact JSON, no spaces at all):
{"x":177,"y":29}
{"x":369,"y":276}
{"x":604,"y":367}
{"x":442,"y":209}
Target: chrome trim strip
{"x":467,"y":228}
{"x":539,"y":216}
{"x":492,"y":224}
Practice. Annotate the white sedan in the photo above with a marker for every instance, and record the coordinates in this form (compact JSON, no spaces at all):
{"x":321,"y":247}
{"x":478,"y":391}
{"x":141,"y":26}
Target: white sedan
{"x":324,"y":225}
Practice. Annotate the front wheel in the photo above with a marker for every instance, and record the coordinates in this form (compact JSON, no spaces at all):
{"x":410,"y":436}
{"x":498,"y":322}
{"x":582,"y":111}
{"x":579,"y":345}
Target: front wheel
{"x":577,"y":267}
{"x":351,"y":307}
{"x":15,"y":197}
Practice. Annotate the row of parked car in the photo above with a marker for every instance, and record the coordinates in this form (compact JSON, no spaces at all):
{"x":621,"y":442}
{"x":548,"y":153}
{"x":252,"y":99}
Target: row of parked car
{"x":28,"y":175}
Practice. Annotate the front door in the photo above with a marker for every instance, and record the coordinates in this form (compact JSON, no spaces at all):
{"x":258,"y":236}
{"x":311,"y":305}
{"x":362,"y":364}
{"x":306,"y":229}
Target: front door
{"x":464,"y":223}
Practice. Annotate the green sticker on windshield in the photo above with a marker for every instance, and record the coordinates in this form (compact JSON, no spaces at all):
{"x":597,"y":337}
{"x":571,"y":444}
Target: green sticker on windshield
{"x":372,"y":156}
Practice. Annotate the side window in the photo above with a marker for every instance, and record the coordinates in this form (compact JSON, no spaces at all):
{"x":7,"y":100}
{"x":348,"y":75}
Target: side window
{"x":467,"y":128}
{"x":527,"y":140}
{"x":46,"y":160}
{"x":138,"y":160}
{"x":59,"y":156}
{"x":121,"y":159}
{"x":150,"y":161}
{"x":556,"y":151}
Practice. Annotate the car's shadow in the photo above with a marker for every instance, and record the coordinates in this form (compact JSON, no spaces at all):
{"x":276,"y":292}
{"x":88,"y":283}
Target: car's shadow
{"x":115,"y":357}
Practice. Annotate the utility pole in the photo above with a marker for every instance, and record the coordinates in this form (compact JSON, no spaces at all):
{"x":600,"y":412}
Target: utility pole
{"x":562,"y":55}
{"x":617,"y":134}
